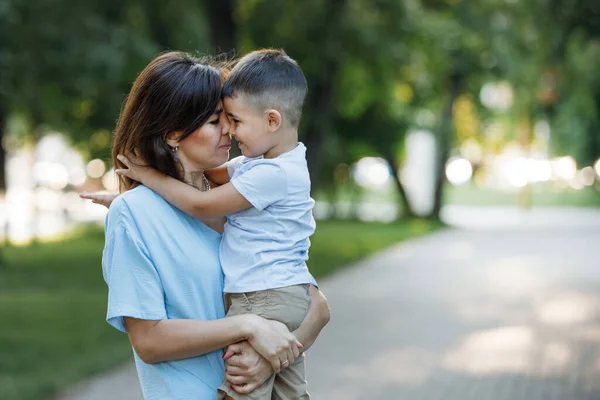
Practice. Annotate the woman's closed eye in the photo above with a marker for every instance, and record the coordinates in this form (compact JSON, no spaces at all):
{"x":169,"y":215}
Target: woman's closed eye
{"x":214,"y":121}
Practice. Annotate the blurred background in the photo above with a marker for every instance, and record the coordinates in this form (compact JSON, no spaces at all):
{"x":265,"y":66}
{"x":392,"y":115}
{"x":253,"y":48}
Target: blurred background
{"x":421,"y":114}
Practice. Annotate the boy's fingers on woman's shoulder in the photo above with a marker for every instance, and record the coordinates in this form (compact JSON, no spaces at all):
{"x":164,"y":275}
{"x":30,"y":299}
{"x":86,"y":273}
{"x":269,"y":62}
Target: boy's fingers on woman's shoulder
{"x":90,"y":196}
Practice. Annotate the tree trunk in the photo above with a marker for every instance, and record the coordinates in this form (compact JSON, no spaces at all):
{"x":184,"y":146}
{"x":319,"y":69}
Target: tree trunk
{"x":407,"y":211}
{"x":444,"y":142}
{"x":3,"y":118}
{"x":222,"y":25}
{"x":320,"y":121}
{"x":321,"y":99}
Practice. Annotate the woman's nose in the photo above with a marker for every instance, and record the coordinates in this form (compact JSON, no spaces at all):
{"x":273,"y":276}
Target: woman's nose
{"x":226,"y":127}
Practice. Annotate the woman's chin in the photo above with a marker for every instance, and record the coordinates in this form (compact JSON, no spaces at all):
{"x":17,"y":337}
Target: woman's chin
{"x":224,"y":158}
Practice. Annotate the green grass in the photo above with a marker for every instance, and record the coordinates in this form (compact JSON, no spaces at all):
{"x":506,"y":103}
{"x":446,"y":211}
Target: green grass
{"x":53,"y":303}
{"x":52,"y":309}
{"x":542,"y":196}
{"x":337,"y":243}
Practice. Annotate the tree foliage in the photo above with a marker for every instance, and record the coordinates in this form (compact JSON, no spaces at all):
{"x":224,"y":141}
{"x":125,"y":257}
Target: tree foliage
{"x":374,"y":67}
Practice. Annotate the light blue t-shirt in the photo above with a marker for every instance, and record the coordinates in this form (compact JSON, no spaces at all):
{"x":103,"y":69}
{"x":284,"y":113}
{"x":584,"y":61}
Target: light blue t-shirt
{"x":160,"y":263}
{"x":266,"y":246}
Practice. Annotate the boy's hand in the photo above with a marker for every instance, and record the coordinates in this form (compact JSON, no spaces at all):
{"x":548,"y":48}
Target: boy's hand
{"x":245,"y":369}
{"x":137,"y":169}
{"x":104,"y":199}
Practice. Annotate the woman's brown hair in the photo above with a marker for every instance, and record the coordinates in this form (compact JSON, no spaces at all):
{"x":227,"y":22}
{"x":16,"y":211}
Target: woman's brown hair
{"x":174,"y":93}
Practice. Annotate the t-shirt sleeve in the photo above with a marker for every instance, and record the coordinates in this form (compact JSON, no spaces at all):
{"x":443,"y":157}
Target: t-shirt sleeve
{"x":233,"y":165}
{"x":134,"y":286}
{"x":313,"y":281}
{"x":262,"y":184}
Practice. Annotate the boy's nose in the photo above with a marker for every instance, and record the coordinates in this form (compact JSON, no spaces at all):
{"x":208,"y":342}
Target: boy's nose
{"x":231,"y":130}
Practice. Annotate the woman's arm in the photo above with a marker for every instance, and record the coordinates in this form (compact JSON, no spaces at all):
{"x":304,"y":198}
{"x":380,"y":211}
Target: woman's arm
{"x":317,"y":317}
{"x":246,"y":369}
{"x":175,"y":339}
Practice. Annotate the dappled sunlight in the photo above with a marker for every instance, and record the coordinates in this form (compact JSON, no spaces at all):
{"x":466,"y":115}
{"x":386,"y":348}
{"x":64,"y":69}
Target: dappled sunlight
{"x":515,"y":277}
{"x":406,"y":366}
{"x":555,"y":357}
{"x":589,"y":333}
{"x":567,"y":329}
{"x":485,"y":310}
{"x":547,"y":307}
{"x":502,"y":350}
{"x":568,"y":309}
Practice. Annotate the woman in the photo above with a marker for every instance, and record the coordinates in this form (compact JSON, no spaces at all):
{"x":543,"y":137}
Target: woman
{"x":162,"y":266}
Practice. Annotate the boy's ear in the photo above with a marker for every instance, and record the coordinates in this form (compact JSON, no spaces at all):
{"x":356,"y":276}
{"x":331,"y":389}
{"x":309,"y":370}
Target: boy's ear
{"x":172,"y":138}
{"x":274,"y":119}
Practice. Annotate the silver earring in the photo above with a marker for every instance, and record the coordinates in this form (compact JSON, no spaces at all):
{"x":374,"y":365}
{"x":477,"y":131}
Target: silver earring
{"x":174,"y":149}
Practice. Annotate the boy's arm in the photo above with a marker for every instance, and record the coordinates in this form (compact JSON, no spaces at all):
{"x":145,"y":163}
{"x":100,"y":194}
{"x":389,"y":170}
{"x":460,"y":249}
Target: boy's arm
{"x":316,"y":318}
{"x":104,"y":199}
{"x":219,"y":175}
{"x":216,"y":202}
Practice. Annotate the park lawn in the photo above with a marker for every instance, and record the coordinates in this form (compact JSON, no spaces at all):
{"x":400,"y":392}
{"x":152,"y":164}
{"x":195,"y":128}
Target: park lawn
{"x":53,"y":303}
{"x":337,"y":243}
{"x":52,"y":308}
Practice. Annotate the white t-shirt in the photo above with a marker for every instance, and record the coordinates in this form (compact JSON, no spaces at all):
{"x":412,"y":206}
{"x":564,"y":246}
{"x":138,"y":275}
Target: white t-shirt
{"x":266,"y":246}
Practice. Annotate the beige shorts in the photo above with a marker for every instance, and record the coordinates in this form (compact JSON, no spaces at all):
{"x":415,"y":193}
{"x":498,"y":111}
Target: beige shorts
{"x":288,"y":305}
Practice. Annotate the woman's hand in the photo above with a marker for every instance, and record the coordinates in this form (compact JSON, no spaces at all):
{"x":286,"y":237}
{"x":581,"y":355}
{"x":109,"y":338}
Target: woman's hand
{"x":245,"y":369}
{"x":137,"y":169}
{"x":273,"y":341}
{"x":104,"y":199}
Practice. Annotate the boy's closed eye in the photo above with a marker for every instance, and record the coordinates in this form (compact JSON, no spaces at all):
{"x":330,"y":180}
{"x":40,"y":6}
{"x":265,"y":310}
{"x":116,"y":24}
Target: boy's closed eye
{"x":233,"y":118}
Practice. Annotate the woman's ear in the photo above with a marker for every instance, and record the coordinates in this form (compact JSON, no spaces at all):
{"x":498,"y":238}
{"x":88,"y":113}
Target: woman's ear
{"x":172,"y":138}
{"x":274,"y":119}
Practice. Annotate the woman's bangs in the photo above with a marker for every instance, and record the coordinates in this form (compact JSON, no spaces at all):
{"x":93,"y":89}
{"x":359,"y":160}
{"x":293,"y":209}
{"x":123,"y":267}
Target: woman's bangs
{"x":205,"y":98}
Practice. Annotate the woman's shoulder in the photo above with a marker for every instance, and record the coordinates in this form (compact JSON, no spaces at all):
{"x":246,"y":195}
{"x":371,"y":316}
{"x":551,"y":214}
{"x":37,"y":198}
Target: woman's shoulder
{"x":135,"y":204}
{"x":139,"y":198}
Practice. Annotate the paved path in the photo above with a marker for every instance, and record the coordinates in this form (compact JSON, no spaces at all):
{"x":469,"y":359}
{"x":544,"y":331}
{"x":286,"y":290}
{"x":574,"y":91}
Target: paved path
{"x":466,"y":315}
{"x":462,"y":314}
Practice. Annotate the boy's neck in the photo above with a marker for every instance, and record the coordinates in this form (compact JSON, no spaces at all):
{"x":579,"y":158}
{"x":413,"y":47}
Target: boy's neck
{"x":288,"y":142}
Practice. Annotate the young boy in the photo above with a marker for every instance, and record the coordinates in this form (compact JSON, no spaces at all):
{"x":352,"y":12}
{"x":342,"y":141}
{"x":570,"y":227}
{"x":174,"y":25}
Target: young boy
{"x":266,"y":198}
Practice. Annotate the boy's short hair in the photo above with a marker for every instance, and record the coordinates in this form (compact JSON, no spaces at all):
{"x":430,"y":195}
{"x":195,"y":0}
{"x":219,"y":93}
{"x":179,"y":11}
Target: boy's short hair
{"x":269,"y":78}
